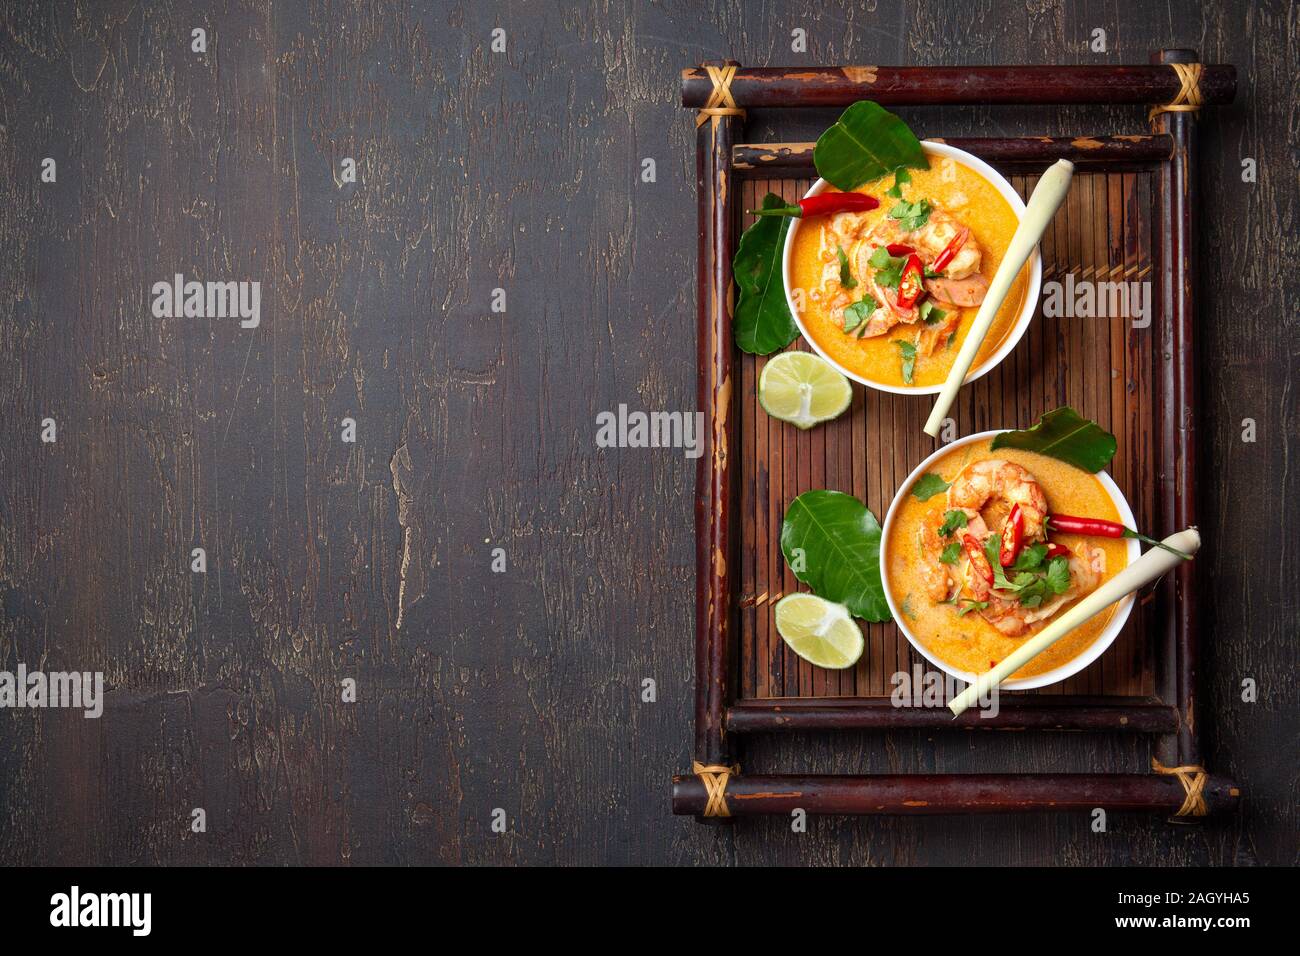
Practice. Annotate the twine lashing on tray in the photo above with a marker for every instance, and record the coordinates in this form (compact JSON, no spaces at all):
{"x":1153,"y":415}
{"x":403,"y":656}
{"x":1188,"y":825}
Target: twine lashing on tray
{"x":1188,"y":99}
{"x":715,"y":777}
{"x":1193,"y":779}
{"x":720,"y":101}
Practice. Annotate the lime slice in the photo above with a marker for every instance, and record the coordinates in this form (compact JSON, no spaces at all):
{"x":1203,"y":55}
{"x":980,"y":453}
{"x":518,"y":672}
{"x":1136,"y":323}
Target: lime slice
{"x":821,"y":632}
{"x":803,"y":389}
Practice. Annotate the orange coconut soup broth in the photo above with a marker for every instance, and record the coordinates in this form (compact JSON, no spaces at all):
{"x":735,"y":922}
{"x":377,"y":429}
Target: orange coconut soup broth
{"x":870,"y":323}
{"x":942,"y":590}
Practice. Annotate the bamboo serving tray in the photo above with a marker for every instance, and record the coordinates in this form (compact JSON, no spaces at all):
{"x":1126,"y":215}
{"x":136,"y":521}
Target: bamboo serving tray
{"x":1129,"y":216}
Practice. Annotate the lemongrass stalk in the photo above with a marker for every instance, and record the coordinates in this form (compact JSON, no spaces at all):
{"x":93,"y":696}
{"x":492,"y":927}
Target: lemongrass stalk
{"x":1143,"y":571}
{"x":1047,"y":198}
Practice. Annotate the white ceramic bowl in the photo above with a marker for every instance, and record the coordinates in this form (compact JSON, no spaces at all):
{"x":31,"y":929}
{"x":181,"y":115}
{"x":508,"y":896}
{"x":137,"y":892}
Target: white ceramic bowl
{"x":941,"y":151}
{"x":1070,"y":667}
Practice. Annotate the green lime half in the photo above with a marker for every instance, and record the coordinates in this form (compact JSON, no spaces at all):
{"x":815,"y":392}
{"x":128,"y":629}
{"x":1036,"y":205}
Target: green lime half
{"x":821,"y":632}
{"x":803,"y":389}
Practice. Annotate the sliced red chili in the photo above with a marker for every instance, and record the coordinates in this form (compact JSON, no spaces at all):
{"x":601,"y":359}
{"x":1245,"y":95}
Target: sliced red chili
{"x":825,"y":204}
{"x":951,"y":250}
{"x":1013,"y":536}
{"x":1055,"y":550}
{"x":978,"y":561}
{"x":911,"y":284}
{"x":899,"y":249}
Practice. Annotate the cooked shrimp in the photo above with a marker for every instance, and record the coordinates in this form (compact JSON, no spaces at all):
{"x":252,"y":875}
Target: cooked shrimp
{"x":880,"y":322}
{"x":883,"y":233}
{"x":889,"y":313}
{"x":933,"y":335}
{"x":939,"y":577}
{"x":854,"y":233}
{"x":934,"y":236}
{"x":844,"y":229}
{"x":888,"y":299}
{"x":847,"y":232}
{"x":980,"y":487}
{"x":1006,"y":482}
{"x":1006,"y":615}
{"x":837,"y":301}
{"x":936,"y":577}
{"x":1087,"y":565}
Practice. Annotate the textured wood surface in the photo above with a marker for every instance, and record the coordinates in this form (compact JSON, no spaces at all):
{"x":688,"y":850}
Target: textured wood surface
{"x":476,"y":430}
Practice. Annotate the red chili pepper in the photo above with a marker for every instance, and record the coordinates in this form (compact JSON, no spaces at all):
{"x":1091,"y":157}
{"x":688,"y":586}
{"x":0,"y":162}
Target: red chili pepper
{"x":910,"y":286}
{"x":899,"y":249}
{"x":825,"y":204}
{"x":1055,"y":550}
{"x":950,"y":250}
{"x":1105,"y":529}
{"x":1013,"y":536}
{"x":978,"y":561}
{"x":1095,"y":526}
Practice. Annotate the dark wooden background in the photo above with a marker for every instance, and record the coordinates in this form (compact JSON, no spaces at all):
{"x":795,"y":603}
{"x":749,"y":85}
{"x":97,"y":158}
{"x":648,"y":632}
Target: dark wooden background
{"x":476,"y":430}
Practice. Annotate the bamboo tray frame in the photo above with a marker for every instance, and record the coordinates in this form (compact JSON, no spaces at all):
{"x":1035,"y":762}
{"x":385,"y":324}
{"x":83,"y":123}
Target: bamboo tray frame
{"x":1178,"y":784}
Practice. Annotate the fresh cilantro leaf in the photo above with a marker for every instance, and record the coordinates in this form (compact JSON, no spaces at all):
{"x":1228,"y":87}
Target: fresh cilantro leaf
{"x":1032,"y":586}
{"x":859,"y":312}
{"x":889,"y":269}
{"x":929,"y":273}
{"x":1030,"y":557}
{"x":930,"y":313}
{"x":951,"y":336}
{"x":1032,"y":594}
{"x":952,"y":520}
{"x":909,"y":360}
{"x":907,"y":607}
{"x":911,"y":215}
{"x":971,"y":606}
{"x":929,"y":485}
{"x":1000,"y":580}
{"x":951,"y":553}
{"x":992,"y":551}
{"x":1058,"y":575}
{"x":901,"y":176}
{"x":846,"y":278}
